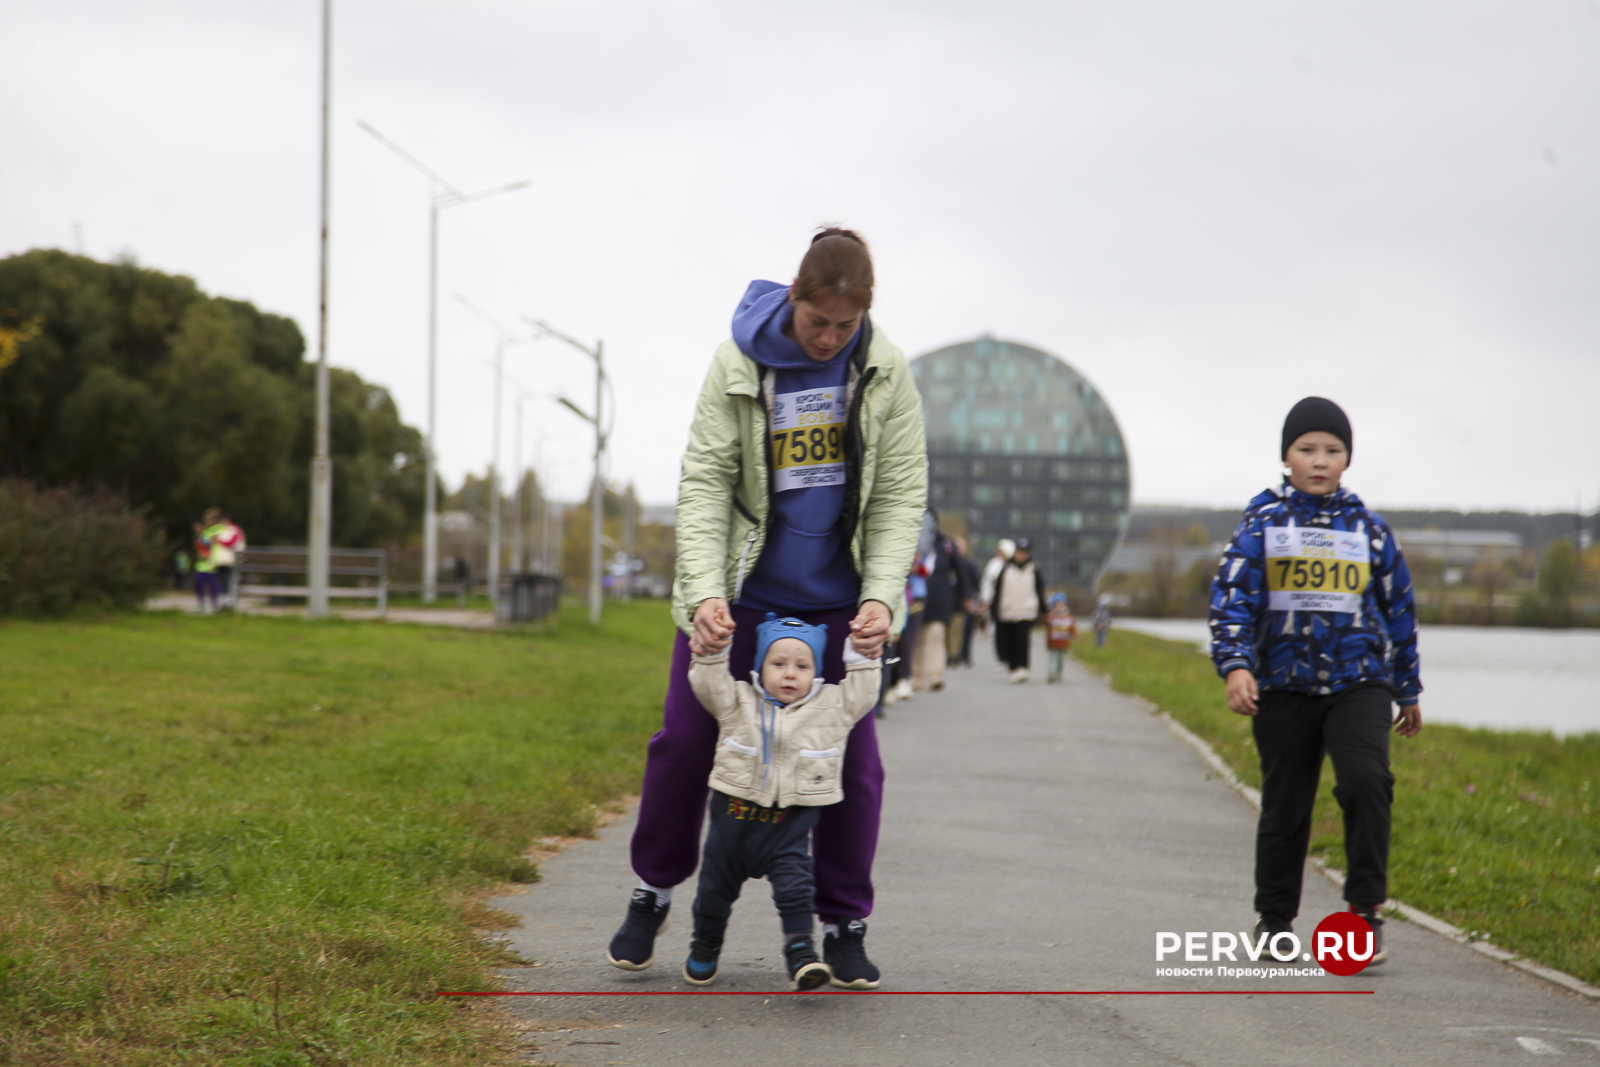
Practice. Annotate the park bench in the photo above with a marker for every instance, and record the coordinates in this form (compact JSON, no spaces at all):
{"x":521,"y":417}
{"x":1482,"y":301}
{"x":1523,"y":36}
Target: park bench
{"x":368,"y":566}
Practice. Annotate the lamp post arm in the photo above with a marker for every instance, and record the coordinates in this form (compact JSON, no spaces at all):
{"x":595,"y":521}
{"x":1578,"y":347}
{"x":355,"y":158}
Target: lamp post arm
{"x":411,"y":159}
{"x":545,"y":327}
{"x":457,"y":199}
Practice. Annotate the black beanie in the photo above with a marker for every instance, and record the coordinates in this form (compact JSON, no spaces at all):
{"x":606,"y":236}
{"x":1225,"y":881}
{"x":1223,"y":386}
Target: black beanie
{"x":1314,"y":414}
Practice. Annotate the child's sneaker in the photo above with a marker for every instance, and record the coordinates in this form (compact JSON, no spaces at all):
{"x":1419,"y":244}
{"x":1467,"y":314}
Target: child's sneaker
{"x":846,"y":954}
{"x":701,"y":966}
{"x":806,"y":971}
{"x":1380,"y":951}
{"x":634,"y":946}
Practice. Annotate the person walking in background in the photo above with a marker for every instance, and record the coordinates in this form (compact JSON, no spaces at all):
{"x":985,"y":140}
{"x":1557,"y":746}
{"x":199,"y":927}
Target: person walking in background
{"x":946,"y":592}
{"x":1102,"y":619}
{"x":205,"y":571}
{"x":1018,"y":606}
{"x":1314,"y":632}
{"x":1060,"y":629}
{"x":960,"y":643}
{"x":802,"y":490}
{"x":991,"y":574}
{"x":909,"y":645}
{"x":227,"y":541}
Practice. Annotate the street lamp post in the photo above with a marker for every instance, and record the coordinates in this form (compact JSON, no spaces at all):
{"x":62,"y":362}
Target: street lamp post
{"x":507,"y":339}
{"x":519,"y":542}
{"x":597,"y":490}
{"x":318,"y":536}
{"x":443,"y":195}
{"x":516,"y":474}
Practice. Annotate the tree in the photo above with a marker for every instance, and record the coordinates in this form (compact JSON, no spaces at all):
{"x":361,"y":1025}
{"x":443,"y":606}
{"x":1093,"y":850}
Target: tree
{"x":1490,"y":572}
{"x":136,"y":382}
{"x":1558,"y":578}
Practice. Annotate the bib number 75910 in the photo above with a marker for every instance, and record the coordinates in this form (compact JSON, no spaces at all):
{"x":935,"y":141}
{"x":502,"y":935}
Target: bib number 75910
{"x":1311,"y":569}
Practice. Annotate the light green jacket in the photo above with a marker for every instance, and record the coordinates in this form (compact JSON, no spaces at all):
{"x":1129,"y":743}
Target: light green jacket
{"x":724,"y":495}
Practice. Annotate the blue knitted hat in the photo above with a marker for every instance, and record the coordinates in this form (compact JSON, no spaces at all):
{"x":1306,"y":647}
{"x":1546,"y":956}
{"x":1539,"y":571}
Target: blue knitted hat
{"x":775,"y":629}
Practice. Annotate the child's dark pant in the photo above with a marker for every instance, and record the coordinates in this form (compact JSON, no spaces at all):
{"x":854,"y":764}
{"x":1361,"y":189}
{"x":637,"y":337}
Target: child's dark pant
{"x":748,"y":841}
{"x":1292,"y":731}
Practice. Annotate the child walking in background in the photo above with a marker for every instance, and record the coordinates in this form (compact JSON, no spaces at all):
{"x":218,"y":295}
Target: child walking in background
{"x":780,"y":747}
{"x":1312,"y":628}
{"x":1060,"y":629}
{"x":1102,"y":619}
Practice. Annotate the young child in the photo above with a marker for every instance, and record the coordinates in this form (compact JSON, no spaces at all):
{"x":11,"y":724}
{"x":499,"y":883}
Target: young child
{"x":1312,"y":627}
{"x":1060,"y":629}
{"x":1102,"y":619}
{"x":780,"y":745}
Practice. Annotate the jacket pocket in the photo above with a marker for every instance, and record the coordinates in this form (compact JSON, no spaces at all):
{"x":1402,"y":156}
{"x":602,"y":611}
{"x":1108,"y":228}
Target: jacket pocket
{"x":736,"y":765}
{"x":817,"y":770}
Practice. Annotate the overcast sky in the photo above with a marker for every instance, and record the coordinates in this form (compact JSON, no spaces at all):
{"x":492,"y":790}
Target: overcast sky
{"x":1210,"y":210}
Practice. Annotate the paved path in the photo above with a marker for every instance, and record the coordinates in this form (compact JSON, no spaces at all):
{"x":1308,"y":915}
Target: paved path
{"x":1034,"y":838}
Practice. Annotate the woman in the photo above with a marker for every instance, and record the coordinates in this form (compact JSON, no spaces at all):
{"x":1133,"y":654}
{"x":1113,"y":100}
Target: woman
{"x":802,"y":493}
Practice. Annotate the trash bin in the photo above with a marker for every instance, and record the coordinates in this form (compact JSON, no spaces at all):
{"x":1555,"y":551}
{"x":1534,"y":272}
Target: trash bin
{"x":529,"y":598}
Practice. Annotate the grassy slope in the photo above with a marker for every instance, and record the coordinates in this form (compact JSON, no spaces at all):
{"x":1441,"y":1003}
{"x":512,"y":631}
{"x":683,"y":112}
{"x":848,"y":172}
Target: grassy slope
{"x":248,"y":840}
{"x":1495,"y":832}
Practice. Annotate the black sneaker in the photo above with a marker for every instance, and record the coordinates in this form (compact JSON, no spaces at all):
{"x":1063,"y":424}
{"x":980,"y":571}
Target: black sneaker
{"x":634,"y":946}
{"x":1270,"y":925}
{"x":1380,"y":951}
{"x":806,"y":971}
{"x":846,"y":953}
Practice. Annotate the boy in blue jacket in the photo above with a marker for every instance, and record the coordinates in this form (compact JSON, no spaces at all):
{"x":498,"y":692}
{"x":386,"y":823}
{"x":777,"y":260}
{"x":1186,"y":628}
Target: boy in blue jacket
{"x":1312,"y":628}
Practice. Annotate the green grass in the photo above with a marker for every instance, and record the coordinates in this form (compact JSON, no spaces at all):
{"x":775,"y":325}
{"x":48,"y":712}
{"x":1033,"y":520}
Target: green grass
{"x":1495,"y":832}
{"x":256,"y":841}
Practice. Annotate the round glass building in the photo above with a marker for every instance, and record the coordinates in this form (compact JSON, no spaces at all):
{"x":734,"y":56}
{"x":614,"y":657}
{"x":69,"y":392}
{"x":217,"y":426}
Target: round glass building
{"x":1021,"y":445}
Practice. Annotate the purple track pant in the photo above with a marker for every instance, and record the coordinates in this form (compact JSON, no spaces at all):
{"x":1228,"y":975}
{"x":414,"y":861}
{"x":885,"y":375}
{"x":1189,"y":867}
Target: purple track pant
{"x":672,"y":811}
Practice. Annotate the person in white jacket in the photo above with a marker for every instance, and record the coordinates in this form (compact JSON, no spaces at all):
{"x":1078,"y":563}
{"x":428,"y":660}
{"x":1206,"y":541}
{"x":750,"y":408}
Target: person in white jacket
{"x":991,"y":574}
{"x":780,"y":746}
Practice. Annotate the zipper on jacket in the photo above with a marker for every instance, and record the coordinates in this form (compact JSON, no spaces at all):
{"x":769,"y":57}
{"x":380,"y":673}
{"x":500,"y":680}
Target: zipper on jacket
{"x":858,"y":449}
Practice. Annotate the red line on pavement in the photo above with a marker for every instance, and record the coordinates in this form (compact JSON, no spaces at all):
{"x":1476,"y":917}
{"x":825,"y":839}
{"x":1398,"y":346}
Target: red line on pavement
{"x":949,"y":993}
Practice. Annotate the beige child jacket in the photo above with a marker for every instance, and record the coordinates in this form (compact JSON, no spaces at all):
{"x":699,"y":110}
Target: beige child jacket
{"x":804,"y":743}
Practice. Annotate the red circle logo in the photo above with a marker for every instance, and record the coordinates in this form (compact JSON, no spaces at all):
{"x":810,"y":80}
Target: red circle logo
{"x":1343,"y":944}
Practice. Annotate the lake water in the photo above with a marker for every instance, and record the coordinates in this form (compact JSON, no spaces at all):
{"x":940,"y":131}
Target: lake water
{"x":1496,"y":677}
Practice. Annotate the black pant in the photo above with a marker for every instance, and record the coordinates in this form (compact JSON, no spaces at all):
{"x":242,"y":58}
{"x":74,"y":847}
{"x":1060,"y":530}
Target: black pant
{"x":1013,"y":641}
{"x":1292,"y":731}
{"x":748,"y":841}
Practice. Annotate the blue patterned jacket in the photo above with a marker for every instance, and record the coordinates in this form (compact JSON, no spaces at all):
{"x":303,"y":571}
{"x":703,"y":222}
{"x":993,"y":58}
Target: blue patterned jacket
{"x":1313,"y":596}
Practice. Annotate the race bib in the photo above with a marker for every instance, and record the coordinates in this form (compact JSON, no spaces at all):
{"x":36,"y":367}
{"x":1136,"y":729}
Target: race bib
{"x":1315,"y":570}
{"x":808,"y":438}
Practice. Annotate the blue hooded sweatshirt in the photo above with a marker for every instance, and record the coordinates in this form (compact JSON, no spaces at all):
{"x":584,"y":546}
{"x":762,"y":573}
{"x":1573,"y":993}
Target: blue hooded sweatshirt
{"x":805,"y":564}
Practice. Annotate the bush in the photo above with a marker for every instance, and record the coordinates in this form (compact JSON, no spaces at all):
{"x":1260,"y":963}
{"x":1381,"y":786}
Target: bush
{"x":61,"y":549}
{"x":1551,"y":603}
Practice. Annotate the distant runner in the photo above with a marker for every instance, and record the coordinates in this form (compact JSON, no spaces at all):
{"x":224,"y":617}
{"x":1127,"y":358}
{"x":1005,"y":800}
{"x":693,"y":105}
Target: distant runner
{"x":1312,"y":626}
